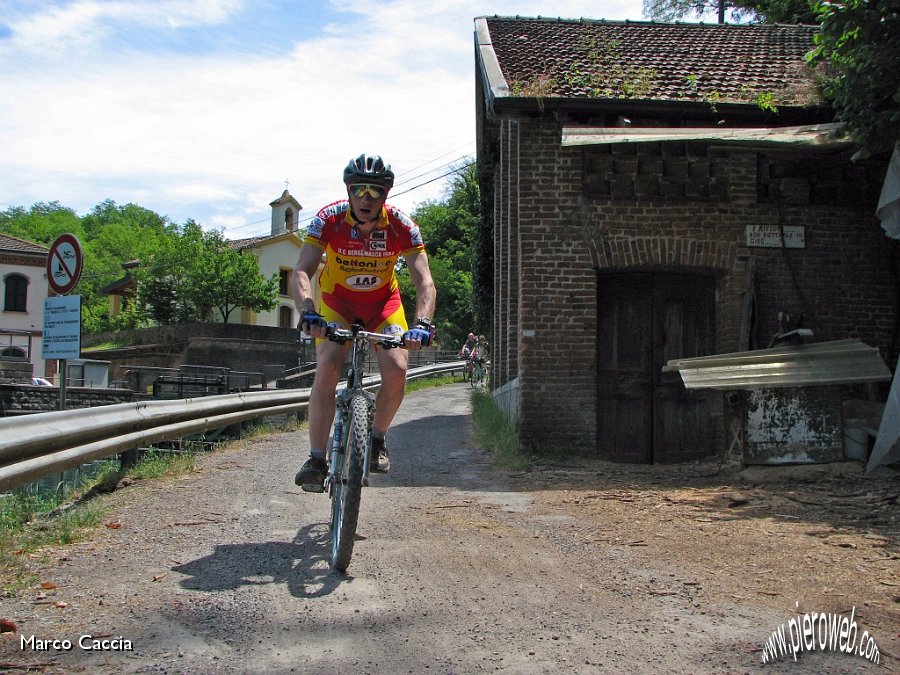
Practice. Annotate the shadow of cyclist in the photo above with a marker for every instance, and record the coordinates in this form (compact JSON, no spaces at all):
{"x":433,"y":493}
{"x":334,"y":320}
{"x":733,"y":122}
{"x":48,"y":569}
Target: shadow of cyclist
{"x":302,"y":564}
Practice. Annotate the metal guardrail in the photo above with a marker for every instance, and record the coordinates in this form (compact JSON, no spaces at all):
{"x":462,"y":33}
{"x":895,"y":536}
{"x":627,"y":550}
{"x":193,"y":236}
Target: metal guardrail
{"x":41,"y":444}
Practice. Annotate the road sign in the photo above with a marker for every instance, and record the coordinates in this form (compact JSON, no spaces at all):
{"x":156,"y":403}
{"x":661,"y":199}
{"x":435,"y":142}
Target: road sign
{"x":62,"y":327}
{"x":64,"y":264}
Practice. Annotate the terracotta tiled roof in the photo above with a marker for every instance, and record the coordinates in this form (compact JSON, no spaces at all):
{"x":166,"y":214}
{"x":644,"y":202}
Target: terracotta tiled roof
{"x":249,"y":242}
{"x":8,"y":243}
{"x":660,"y":61}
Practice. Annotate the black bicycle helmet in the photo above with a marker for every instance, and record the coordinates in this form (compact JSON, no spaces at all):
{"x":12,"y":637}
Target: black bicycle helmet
{"x":369,"y":169}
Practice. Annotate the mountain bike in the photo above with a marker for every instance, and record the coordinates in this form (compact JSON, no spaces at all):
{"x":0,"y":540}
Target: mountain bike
{"x":348,"y":466}
{"x":471,"y":358}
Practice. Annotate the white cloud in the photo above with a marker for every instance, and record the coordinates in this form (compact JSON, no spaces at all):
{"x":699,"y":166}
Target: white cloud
{"x":213,"y":136}
{"x":77,"y":24}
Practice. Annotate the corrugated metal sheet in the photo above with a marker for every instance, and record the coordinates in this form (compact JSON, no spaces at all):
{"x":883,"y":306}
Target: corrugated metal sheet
{"x":837,"y":362}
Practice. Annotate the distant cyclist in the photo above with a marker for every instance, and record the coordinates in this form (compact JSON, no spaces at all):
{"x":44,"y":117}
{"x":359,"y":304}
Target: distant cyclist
{"x":470,"y":345}
{"x":470,"y":351}
{"x":361,"y":238}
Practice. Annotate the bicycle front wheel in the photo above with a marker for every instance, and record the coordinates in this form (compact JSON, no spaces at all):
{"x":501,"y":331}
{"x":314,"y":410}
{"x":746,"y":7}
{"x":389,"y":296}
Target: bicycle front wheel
{"x":348,"y":484}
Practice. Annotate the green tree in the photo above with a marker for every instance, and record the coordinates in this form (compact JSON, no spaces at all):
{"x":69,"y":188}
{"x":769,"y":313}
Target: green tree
{"x":185,"y":274}
{"x":449,"y":228}
{"x":110,"y":235}
{"x":114,"y":235}
{"x":42,"y":223}
{"x":758,"y":11}
{"x":859,"y":44}
{"x":163,"y":279}
{"x":201,"y":272}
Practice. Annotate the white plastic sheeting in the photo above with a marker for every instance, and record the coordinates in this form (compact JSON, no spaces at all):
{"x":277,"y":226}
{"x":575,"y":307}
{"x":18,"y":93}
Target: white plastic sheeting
{"x":888,"y":210}
{"x":887,"y":443}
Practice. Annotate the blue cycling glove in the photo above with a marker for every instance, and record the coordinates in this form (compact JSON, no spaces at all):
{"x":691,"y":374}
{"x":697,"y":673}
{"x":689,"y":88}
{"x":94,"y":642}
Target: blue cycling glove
{"x":311,"y":318}
{"x":419,"y":333}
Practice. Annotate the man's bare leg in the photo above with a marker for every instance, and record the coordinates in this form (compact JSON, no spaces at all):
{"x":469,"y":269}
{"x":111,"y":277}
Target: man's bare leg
{"x":392,"y":363}
{"x":330,"y":357}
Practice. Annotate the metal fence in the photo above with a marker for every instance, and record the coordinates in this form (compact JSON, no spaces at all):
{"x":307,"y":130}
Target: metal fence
{"x":37,"y":445}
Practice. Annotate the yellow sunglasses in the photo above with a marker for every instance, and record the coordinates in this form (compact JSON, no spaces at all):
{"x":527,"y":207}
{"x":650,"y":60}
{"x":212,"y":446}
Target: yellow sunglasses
{"x":363,"y":189}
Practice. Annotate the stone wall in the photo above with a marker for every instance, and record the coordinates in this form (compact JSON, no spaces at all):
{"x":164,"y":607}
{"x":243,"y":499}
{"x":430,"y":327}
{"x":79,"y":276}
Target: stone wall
{"x":12,"y":372}
{"x":184,"y":332}
{"x":253,"y":356}
{"x":19,"y":399}
{"x":237,"y":347}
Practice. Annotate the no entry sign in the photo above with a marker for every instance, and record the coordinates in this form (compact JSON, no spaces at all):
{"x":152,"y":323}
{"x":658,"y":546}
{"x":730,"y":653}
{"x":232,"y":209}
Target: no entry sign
{"x":64,"y":264}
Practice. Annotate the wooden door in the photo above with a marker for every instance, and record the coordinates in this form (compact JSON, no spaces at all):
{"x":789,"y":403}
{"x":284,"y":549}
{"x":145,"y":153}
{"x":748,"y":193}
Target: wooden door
{"x":624,"y":381}
{"x":644,"y":320}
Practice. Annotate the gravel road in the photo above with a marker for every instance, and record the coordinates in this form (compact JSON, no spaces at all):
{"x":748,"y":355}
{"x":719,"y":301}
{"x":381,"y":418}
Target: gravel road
{"x":460,"y":567}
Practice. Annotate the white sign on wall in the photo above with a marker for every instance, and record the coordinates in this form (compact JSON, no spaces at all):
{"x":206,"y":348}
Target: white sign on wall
{"x":769,"y":236}
{"x":62,"y":327}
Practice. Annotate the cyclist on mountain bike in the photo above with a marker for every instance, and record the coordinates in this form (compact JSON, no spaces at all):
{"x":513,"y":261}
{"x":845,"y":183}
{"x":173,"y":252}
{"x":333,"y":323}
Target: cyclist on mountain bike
{"x":361,"y":238}
{"x":470,"y":345}
{"x":469,"y":352}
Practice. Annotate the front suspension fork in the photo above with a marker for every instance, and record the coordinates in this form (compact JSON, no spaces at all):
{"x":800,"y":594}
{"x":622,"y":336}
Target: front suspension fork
{"x":337,"y":452}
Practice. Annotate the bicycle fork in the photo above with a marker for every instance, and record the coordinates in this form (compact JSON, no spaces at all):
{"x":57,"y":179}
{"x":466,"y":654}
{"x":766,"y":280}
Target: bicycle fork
{"x":337,"y":452}
{"x":338,"y":446}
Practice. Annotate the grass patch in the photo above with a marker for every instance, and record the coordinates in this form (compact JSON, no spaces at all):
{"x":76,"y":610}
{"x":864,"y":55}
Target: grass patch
{"x":270,"y":425}
{"x":109,"y":344}
{"x":159,"y":463}
{"x":428,"y":382}
{"x":495,"y":433}
{"x":19,"y":544}
{"x":31,"y":520}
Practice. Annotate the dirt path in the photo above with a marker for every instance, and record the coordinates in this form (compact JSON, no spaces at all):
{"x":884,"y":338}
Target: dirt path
{"x":464,"y":568}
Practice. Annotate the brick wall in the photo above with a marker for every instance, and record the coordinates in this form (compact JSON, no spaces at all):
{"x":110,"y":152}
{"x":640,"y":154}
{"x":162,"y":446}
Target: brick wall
{"x":563,"y":213}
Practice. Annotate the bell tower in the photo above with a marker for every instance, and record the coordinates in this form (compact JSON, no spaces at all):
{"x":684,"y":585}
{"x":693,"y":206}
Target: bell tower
{"x":285,"y":213}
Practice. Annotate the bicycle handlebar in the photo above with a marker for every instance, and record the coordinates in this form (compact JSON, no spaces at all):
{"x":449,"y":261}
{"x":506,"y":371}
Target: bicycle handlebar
{"x":342,"y":335}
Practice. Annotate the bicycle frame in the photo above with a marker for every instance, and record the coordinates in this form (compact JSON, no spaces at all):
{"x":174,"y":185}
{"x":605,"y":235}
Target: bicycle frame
{"x":351,"y":447}
{"x":358,"y":337}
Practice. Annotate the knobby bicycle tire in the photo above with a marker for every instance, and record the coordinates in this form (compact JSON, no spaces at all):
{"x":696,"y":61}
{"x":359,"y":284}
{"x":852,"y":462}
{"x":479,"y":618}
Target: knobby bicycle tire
{"x":348,"y":491}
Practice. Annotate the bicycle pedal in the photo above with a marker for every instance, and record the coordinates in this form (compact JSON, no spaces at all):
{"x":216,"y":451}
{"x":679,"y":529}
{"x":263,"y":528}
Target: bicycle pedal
{"x":313,"y":487}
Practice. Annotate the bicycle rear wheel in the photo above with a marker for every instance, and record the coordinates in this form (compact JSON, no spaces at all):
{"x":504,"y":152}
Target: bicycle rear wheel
{"x":348,"y":484}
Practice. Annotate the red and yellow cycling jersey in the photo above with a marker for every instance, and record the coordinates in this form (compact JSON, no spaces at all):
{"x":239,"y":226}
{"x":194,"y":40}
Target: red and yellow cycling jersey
{"x":360,"y":268}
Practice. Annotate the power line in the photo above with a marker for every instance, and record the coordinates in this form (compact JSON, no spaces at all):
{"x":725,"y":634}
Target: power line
{"x":437,"y":168}
{"x":456,"y":170}
{"x":396,"y":194}
{"x":450,"y":152}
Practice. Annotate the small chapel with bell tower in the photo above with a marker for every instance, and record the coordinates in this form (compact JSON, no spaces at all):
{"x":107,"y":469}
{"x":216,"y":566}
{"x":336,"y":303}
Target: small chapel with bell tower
{"x":285,"y":213}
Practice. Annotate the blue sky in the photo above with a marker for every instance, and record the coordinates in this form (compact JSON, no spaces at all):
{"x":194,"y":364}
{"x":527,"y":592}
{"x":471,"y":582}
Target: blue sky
{"x":204,"y":108}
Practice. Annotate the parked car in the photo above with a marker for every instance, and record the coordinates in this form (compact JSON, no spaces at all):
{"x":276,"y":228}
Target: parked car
{"x":40,"y":382}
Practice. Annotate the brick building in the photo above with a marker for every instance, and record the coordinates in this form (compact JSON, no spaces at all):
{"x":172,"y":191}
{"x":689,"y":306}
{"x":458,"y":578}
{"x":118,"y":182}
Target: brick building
{"x":661,"y":191}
